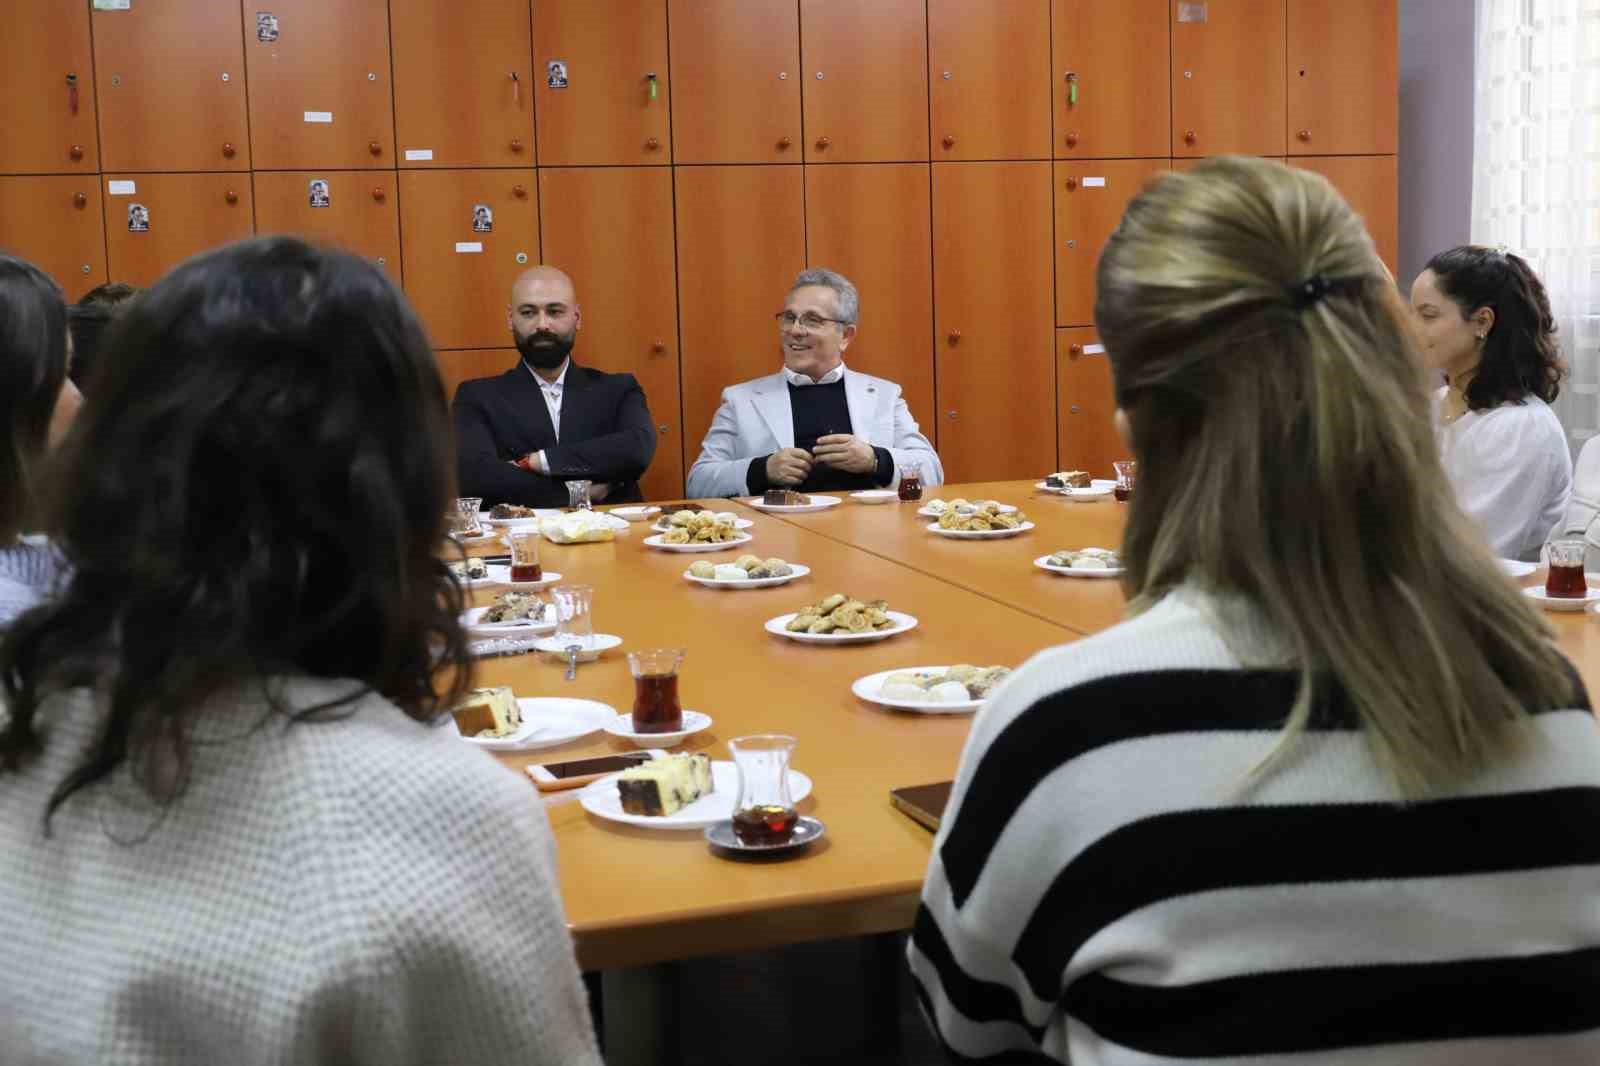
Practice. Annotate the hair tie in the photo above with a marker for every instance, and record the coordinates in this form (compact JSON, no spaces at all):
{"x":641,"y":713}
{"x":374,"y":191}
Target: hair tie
{"x":1304,"y":294}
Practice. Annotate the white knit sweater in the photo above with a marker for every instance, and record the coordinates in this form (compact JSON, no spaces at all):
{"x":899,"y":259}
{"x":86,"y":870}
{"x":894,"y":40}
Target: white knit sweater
{"x":360,"y":890}
{"x":29,"y":568}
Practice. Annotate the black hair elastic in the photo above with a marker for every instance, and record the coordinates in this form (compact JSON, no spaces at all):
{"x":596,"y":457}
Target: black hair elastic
{"x":1304,"y":294}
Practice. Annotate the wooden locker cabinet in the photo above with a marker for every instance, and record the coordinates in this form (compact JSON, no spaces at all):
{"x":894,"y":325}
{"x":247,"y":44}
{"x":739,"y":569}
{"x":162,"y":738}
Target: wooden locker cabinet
{"x":1343,"y":77}
{"x":319,"y":93}
{"x":1086,"y":435}
{"x":605,"y":115}
{"x":866,"y":81}
{"x":991,"y":284}
{"x":460,"y":293}
{"x":741,"y":241}
{"x":463,"y":91}
{"x":1228,"y":74}
{"x":1118,"y":54}
{"x":872,"y":223}
{"x":1090,"y":198}
{"x":187,"y":214}
{"x":171,"y":84}
{"x":1371,"y":186}
{"x":465,"y":365}
{"x":611,"y":229}
{"x":362,"y":213}
{"x":55,"y":223}
{"x":736,"y":81}
{"x":47,"y":81}
{"x":989,"y":67}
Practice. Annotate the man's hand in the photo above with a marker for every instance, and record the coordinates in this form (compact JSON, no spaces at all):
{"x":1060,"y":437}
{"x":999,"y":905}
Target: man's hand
{"x":846,"y":452}
{"x":599,"y":491}
{"x":531,"y":463}
{"x":788,"y":466}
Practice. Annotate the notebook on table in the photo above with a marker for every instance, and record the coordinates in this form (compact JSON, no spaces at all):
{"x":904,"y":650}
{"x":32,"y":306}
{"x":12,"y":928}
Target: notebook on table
{"x":923,"y":804}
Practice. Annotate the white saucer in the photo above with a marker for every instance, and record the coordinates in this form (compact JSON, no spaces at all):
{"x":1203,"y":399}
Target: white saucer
{"x":661,"y":545}
{"x":601,"y":800}
{"x":556,"y":645}
{"x":806,"y":831}
{"x":799,"y":571}
{"x":635,"y":514}
{"x":622,"y":726}
{"x":548,"y":721}
{"x":818,"y":503}
{"x":978,"y":534}
{"x":550,"y":578}
{"x":1536,"y":593}
{"x":871,"y":496}
{"x":1516,"y":567}
{"x":481,"y":535}
{"x":1043,"y":563}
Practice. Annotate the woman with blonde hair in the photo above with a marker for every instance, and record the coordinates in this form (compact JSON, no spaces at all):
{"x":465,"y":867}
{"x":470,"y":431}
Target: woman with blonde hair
{"x":1329,"y":794}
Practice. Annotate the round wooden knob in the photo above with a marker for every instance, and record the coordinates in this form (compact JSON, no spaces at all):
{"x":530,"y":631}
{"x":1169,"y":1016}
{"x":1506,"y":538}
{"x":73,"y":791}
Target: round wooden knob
{"x":378,"y":195}
{"x":1189,"y":137}
{"x":658,"y":347}
{"x":516,"y":144}
{"x":231,"y":196}
{"x":1074,"y":350}
{"x":76,"y":152}
{"x":784,"y":142}
{"x":1304,"y":135}
{"x":374,"y":147}
{"x":652,"y":144}
{"x":519,"y":191}
{"x":955,"y":336}
{"x":949,"y":141}
{"x":79,"y":200}
{"x":823,"y":142}
{"x":227,"y":149}
{"x":1072,"y":183}
{"x":1072,"y":140}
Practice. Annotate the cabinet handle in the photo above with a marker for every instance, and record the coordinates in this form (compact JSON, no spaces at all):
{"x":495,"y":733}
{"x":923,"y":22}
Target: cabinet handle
{"x":658,"y":347}
{"x":516,"y":88}
{"x":949,"y":141}
{"x":72,"y":92}
{"x":953,"y":415}
{"x":520,"y":192}
{"x":79,"y":199}
{"x":1072,"y":140}
{"x":1189,"y":137}
{"x":652,"y":144}
{"x":231,"y":196}
{"x":227,"y":149}
{"x":516,"y":144}
{"x":1072,"y":183}
{"x":1305,"y":135}
{"x":378,"y":194}
{"x":374,"y":147}
{"x":784,"y":142}
{"x":823,"y":142}
{"x":1074,"y":350}
{"x":955,"y":336}
{"x":76,"y":152}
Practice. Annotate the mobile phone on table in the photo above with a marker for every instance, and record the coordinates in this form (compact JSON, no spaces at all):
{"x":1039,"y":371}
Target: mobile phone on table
{"x":923,"y":804}
{"x":556,"y":776}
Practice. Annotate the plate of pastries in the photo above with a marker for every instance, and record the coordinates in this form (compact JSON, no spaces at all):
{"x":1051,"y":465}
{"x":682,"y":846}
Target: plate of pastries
{"x":841,"y":619}
{"x":984,"y":522}
{"x":511,"y":614}
{"x":1076,"y":485}
{"x":938,"y":508}
{"x":689,"y":519}
{"x":788,"y":501}
{"x":700,"y":531}
{"x":745,"y":572}
{"x":1083,"y":562}
{"x":931,"y":689}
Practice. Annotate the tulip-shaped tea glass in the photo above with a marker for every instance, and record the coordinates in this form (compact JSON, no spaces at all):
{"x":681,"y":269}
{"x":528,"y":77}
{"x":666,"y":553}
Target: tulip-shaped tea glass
{"x":764,"y":813}
{"x":655,"y":690}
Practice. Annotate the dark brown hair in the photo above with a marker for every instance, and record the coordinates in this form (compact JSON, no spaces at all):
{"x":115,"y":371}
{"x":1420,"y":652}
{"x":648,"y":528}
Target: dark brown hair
{"x":1520,"y":357}
{"x":88,"y":319}
{"x":33,"y":365}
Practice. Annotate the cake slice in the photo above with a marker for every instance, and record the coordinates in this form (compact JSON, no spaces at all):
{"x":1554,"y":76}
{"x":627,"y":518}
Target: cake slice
{"x":664,"y":786}
{"x":785,"y":498}
{"x":488,"y":712}
{"x":1069,"y":479}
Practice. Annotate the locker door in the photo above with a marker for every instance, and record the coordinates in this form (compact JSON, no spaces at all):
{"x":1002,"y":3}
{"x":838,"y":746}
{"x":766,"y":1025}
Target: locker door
{"x":47,"y":79}
{"x":1370,"y":184}
{"x":741,"y":241}
{"x":611,"y":229}
{"x":607,"y":50}
{"x":871,"y":222}
{"x":463,"y":91}
{"x":184,"y":215}
{"x":319,"y":84}
{"x":458,"y":366}
{"x":359,"y":213}
{"x":1116,"y":54}
{"x":458,"y":278}
{"x":873,"y":52}
{"x":1228,"y":72}
{"x":990,"y":71}
{"x":991,"y":294}
{"x":171,"y":87}
{"x":55,"y":223}
{"x":1086,"y":436}
{"x":1090,"y":198}
{"x":1344,"y":77}
{"x":736,"y":87}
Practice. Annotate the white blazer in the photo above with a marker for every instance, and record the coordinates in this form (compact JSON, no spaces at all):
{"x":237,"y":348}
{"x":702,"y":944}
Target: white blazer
{"x":755,"y":419}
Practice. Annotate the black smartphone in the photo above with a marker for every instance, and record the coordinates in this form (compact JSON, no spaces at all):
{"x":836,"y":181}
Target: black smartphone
{"x":552,"y":777}
{"x":923,"y":804}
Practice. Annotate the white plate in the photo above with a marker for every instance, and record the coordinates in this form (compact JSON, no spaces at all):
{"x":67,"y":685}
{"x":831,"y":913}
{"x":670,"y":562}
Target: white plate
{"x":469,"y":619}
{"x":867,"y":688}
{"x":1088,"y":495}
{"x":1005,"y":508}
{"x":1043,"y":563}
{"x":818,"y":503}
{"x":903,"y":623}
{"x":602,"y":800}
{"x":1562,"y":603}
{"x":518,"y":523}
{"x":875,"y":496}
{"x":738,"y":523}
{"x":1098,"y":489}
{"x":481,"y":535}
{"x":550,"y":578}
{"x":548,"y":721}
{"x":1517,"y":568}
{"x":635,"y":514}
{"x":499,"y":574}
{"x":751,"y":583}
{"x":978,"y":534}
{"x":622,"y":726}
{"x":658,"y":543}
{"x":556,"y":645}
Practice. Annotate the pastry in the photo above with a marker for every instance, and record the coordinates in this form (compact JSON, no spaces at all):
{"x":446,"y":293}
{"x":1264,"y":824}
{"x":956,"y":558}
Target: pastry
{"x":470,"y":569}
{"x":664,"y":786}
{"x":785,"y":498}
{"x":702,"y":569}
{"x":488,"y":712}
{"x":510,"y":510}
{"x":1068,"y":479}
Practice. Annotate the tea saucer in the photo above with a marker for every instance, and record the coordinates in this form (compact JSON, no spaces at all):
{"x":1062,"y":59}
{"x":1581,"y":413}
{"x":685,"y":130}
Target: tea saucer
{"x":622,"y":726}
{"x":556,"y":645}
{"x":1537,"y":594}
{"x":806,"y":831}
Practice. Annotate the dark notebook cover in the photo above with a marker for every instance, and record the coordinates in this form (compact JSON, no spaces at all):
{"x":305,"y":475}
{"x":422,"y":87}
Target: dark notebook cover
{"x":923,"y":804}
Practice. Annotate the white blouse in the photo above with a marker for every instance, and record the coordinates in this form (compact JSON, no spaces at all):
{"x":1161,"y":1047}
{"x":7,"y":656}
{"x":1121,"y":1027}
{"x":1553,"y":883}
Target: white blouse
{"x":1512,"y":472}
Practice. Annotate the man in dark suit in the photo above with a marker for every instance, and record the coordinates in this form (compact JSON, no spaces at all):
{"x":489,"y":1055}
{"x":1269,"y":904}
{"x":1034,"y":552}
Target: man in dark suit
{"x":521,"y":436}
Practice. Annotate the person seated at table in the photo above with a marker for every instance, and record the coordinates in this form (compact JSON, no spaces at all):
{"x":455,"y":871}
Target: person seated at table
{"x":522,"y":435}
{"x":814,"y":425}
{"x":1485,"y":322}
{"x":1329,"y":793}
{"x":37,"y":403}
{"x":88,"y":319}
{"x":228,"y":821}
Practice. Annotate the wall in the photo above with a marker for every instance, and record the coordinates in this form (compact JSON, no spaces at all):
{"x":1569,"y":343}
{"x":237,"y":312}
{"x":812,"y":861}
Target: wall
{"x":1436,"y":92}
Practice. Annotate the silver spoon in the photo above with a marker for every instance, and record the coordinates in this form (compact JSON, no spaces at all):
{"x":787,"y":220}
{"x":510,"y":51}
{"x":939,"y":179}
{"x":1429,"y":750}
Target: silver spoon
{"x":572,"y":660}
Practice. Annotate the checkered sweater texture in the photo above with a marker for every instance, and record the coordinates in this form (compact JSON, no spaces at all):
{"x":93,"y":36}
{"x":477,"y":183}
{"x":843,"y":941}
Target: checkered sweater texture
{"x":363,"y":890}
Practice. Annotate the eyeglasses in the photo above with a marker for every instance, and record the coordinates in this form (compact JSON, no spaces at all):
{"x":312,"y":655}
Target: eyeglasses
{"x":810,"y":320}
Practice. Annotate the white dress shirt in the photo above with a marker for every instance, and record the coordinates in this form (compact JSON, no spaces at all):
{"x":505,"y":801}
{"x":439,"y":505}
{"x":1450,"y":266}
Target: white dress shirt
{"x":552,"y":400}
{"x":800,"y":381}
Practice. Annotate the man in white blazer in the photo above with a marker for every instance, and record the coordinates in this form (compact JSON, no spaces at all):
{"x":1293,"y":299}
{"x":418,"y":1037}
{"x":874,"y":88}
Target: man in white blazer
{"x":814,"y":425}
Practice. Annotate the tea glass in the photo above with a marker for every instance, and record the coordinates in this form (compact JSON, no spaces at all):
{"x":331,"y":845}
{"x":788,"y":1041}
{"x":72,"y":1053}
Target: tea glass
{"x":911,"y":481}
{"x":1565,"y":578}
{"x":578,"y":496}
{"x":574,"y":616}
{"x":1127,"y":471}
{"x":656,"y":708}
{"x":525,"y":555}
{"x":467,"y":515}
{"x":763,"y":813}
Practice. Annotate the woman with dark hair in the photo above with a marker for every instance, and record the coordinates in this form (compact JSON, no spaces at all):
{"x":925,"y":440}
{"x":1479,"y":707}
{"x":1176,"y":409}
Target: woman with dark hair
{"x":88,"y":319}
{"x":1486,"y":324}
{"x":228,"y":825}
{"x":37,"y":404}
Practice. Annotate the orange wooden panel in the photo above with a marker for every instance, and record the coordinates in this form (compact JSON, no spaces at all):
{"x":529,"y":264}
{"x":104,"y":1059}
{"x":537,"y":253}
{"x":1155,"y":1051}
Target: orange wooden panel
{"x":872,"y":223}
{"x":362,"y":213}
{"x":992,"y":298}
{"x":465,"y":365}
{"x":1086,"y":437}
{"x":1120,"y":54}
{"x":736,"y":87}
{"x":866,"y":80}
{"x":1344,"y":77}
{"x":1190,"y":164}
{"x":456,"y":102}
{"x":44,"y":42}
{"x":1371,"y":185}
{"x":458,"y":279}
{"x":56,"y":223}
{"x":1228,"y":73}
{"x":741,"y":241}
{"x":171,"y":83}
{"x":611,"y":229}
{"x":330,"y":61}
{"x":1090,"y":198}
{"x":989,"y":65}
{"x":605,"y":114}
{"x":186,"y":214}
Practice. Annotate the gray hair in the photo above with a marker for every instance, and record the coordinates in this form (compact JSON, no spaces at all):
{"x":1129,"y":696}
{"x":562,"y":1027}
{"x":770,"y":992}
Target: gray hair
{"x":849,"y":299}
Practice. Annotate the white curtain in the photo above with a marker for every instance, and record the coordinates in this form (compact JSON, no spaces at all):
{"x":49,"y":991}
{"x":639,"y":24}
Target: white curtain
{"x":1536,"y":170}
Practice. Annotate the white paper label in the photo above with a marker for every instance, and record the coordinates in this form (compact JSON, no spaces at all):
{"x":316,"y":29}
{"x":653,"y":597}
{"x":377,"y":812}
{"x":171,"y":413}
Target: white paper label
{"x":120,"y":188}
{"x":1094,"y":349}
{"x":1094,"y":183}
{"x":112,"y":5}
{"x":415,"y":154}
{"x":469,"y":246}
{"x":1192,"y":12}
{"x":319,"y":116}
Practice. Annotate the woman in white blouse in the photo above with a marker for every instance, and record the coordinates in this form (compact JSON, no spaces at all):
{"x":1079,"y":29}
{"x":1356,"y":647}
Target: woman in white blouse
{"x":1486,"y":323}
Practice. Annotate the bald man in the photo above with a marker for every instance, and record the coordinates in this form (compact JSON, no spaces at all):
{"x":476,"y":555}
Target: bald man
{"x":521,"y":436}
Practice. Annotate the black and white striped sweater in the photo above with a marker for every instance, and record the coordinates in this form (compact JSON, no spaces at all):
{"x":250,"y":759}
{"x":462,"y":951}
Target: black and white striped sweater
{"x":1106,"y":888}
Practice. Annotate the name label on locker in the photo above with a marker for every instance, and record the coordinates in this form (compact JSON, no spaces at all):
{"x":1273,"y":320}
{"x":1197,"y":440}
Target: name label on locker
{"x":120,"y":188}
{"x":469,"y":246}
{"x":1094,"y":183}
{"x":1192,"y":12}
{"x":112,"y":5}
{"x":319,"y":116}
{"x":415,"y":154}
{"x":1094,"y":349}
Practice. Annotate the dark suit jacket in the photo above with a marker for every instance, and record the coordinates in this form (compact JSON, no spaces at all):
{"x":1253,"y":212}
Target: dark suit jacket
{"x":606,"y":435}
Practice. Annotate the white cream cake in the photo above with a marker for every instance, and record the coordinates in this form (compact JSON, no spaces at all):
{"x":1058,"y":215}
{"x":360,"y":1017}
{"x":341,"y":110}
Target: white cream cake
{"x":488,"y":712}
{"x":664,"y":786}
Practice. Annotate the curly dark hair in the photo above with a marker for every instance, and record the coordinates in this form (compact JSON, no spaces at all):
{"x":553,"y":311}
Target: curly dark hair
{"x":88,"y":319}
{"x":1520,"y":356}
{"x":259,"y":489}
{"x":33,"y":365}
